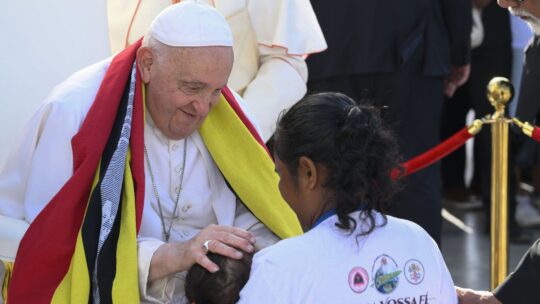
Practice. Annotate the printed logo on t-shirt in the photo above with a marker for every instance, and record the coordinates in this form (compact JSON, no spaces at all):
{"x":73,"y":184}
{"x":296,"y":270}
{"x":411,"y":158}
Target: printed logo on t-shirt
{"x":414,"y":271}
{"x":358,"y":279}
{"x":385,"y":274}
{"x":417,"y":299}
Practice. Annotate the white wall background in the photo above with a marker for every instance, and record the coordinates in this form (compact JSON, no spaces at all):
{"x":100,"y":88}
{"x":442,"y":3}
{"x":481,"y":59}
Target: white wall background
{"x":42,"y":43}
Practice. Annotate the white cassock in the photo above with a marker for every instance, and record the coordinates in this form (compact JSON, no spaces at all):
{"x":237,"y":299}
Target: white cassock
{"x":271,"y":40}
{"x":395,"y":263}
{"x":43,"y":162}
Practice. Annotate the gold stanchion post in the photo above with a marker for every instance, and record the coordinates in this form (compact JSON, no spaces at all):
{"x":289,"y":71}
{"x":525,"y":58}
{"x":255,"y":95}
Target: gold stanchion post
{"x":499,"y":93}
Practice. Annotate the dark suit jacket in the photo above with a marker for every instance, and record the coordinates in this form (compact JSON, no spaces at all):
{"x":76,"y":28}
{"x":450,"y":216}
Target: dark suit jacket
{"x":528,"y":107}
{"x":523,"y":285}
{"x":367,"y":37}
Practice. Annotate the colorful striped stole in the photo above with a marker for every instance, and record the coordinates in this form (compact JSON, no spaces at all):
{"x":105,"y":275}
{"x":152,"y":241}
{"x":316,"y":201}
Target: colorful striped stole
{"x":82,"y":247}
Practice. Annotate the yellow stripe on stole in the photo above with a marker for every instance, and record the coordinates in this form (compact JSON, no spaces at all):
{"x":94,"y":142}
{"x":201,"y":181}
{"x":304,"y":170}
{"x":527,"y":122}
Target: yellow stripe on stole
{"x":8,"y":270}
{"x":126,"y":282}
{"x":75,"y":286}
{"x":248,"y":169}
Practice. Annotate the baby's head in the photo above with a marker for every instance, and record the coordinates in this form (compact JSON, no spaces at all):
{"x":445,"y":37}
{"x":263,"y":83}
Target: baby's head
{"x":223,"y":286}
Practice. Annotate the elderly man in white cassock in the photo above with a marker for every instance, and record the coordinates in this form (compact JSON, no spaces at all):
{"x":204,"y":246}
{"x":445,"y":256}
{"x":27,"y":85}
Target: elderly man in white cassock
{"x":137,"y":166}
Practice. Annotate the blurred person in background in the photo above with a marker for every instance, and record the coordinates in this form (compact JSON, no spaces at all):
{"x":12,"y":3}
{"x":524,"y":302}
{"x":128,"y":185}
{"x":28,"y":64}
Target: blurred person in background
{"x":403,"y":56}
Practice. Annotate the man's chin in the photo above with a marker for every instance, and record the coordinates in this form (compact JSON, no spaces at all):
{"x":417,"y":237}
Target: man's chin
{"x":180,"y":133}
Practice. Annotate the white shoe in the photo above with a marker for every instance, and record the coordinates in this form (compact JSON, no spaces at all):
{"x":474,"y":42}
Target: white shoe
{"x":526,"y":214}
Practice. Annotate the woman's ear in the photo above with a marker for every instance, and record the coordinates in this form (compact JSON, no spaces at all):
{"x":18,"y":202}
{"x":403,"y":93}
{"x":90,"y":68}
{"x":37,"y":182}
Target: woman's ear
{"x":308,"y":172}
{"x":145,"y":59}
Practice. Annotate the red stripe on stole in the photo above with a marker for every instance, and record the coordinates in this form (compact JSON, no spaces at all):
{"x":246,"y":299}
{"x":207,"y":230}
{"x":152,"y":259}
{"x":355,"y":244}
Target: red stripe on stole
{"x":137,"y":150}
{"x":45,"y":252}
{"x":229,"y":96}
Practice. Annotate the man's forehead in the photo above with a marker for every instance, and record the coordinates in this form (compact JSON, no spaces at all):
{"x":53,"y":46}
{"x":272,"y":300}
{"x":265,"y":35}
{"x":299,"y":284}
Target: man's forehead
{"x":198,"y":80}
{"x":180,"y":53}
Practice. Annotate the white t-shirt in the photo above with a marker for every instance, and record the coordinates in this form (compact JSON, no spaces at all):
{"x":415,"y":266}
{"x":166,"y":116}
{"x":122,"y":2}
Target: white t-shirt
{"x":398,"y":263}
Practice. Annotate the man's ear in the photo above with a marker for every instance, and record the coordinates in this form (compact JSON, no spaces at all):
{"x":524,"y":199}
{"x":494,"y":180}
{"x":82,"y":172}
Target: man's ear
{"x":308,"y":172}
{"x":145,"y":59}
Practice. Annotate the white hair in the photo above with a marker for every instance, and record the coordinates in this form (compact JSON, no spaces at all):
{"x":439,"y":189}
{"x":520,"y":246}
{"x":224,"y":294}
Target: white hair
{"x":158,"y":48}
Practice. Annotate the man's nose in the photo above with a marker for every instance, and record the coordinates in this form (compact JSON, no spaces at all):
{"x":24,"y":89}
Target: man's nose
{"x":202,"y":105}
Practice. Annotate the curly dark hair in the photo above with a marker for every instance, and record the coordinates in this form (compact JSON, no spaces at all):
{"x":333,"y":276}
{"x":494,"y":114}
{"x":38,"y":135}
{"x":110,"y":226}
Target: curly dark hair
{"x":352,"y":143}
{"x":223,"y":286}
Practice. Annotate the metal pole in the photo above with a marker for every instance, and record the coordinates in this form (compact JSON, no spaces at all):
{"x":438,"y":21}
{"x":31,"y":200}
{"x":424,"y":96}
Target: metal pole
{"x":499,"y":93}
{"x":499,"y":202}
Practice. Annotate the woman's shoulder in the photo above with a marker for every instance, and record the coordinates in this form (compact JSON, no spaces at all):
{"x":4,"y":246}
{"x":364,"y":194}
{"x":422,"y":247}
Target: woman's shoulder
{"x":405,"y":227}
{"x":386,"y":225}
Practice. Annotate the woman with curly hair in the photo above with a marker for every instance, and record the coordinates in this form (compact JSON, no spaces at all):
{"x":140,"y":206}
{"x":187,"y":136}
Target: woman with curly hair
{"x":335,"y":159}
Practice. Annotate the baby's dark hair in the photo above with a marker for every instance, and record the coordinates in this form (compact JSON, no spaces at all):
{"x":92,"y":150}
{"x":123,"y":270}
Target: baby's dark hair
{"x":223,"y":286}
{"x":351,"y":142}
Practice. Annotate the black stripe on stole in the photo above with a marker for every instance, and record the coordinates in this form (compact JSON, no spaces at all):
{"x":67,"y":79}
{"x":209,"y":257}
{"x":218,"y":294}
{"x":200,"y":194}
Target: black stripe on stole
{"x":92,"y":221}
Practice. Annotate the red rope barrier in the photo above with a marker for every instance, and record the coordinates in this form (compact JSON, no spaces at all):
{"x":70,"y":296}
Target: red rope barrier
{"x":438,"y":152}
{"x":536,"y":134}
{"x":528,"y":129}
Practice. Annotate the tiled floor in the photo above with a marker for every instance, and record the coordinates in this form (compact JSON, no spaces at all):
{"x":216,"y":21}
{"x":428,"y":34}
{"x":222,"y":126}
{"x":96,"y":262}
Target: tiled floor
{"x":468,"y":255}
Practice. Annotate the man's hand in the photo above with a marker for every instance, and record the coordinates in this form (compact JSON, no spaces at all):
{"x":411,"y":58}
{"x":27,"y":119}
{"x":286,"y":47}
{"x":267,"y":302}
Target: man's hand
{"x":176,"y":257}
{"x":458,"y":76}
{"x":469,"y":296}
